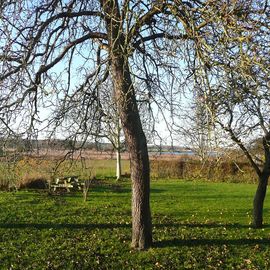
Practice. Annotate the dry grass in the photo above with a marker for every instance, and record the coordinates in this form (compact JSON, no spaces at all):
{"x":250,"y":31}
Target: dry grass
{"x":27,"y":170}
{"x":36,"y":169}
{"x":223,"y":170}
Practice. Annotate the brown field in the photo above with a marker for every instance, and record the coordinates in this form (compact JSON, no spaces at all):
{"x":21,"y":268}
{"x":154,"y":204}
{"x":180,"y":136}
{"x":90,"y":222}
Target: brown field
{"x":103,"y":155}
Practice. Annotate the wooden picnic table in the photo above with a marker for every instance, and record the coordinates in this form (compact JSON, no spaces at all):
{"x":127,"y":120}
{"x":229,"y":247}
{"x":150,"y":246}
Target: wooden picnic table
{"x":68,"y":183}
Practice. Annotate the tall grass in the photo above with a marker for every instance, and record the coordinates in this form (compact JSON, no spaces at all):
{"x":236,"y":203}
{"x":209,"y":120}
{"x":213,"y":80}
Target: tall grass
{"x":219,"y":171}
{"x":28,"y":169}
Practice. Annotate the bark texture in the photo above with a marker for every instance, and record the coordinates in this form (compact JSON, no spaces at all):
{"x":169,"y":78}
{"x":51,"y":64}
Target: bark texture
{"x":139,"y":166}
{"x":132,"y":127}
{"x":259,"y":200}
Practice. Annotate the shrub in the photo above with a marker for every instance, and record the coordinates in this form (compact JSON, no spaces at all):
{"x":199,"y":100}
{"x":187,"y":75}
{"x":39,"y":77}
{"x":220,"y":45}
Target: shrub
{"x":39,"y":183}
{"x":225,"y":170}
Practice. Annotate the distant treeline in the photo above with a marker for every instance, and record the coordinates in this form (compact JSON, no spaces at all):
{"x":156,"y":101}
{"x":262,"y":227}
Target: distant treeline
{"x":27,"y":145}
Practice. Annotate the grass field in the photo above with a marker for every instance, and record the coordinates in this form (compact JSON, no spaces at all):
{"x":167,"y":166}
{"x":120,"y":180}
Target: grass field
{"x":196,"y":225}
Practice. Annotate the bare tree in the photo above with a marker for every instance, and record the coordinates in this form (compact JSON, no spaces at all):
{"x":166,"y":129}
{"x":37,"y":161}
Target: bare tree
{"x":109,"y":125}
{"x":56,"y":54}
{"x":234,"y":66}
{"x":113,"y":129}
{"x":197,"y":129}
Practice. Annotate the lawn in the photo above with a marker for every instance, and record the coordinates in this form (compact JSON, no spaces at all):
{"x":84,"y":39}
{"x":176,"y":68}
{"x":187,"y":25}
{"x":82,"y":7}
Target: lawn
{"x":196,"y":225}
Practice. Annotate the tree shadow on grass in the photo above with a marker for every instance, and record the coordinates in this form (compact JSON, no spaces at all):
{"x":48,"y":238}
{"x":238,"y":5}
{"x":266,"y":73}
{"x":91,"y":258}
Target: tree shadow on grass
{"x":25,"y":195}
{"x":210,"y":242}
{"x":121,"y":225}
{"x":158,"y":244}
{"x":59,"y":226}
{"x":209,"y":225}
{"x":118,"y":189}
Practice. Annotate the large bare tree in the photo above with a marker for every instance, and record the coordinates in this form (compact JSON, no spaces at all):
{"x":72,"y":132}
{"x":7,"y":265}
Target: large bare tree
{"x":56,"y":54}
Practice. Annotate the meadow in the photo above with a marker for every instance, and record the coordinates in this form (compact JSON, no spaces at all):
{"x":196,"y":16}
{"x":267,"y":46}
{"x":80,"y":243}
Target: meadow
{"x":23,"y":171}
{"x":196,"y":225}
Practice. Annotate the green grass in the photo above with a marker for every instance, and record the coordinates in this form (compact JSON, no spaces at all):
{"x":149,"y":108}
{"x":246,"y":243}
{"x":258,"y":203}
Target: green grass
{"x":103,"y":168}
{"x":196,"y":225}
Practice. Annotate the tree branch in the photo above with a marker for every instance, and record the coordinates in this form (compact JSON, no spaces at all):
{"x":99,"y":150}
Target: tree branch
{"x":159,"y":35}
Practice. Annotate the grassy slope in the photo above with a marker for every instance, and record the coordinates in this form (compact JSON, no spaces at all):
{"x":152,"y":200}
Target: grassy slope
{"x":197,"y":225}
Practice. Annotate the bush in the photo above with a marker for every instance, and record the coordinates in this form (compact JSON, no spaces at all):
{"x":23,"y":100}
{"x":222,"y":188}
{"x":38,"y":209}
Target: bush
{"x":4,"y":185}
{"x":225,"y":171}
{"x":39,"y":183}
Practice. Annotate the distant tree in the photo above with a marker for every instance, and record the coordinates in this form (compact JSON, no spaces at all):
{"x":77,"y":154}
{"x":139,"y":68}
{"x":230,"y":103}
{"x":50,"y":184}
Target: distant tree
{"x":108,"y":125}
{"x":198,"y":130}
{"x":114,"y":129}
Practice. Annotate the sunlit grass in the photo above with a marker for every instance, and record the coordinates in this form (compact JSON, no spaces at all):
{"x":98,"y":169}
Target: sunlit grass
{"x":196,"y":225}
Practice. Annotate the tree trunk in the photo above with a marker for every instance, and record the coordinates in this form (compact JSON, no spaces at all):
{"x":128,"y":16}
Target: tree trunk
{"x":119,"y":52}
{"x":139,"y":165}
{"x":118,"y":150}
{"x":118,"y":163}
{"x":259,"y":200}
{"x":141,"y":216}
